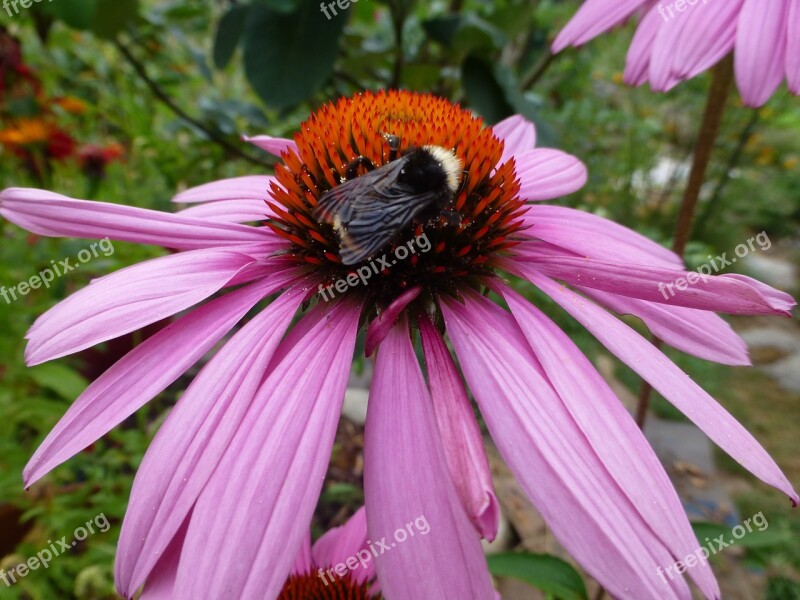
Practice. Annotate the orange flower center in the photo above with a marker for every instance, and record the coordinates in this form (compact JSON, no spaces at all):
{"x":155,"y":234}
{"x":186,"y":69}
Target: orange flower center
{"x":457,"y":245}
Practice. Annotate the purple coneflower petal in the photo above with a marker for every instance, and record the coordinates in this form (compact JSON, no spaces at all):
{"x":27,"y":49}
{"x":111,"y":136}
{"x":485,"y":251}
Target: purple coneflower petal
{"x":630,"y":459}
{"x":709,"y":36}
{"x":273,"y":145}
{"x":53,"y":215}
{"x":339,"y":544}
{"x":692,"y":41}
{"x":194,"y":437}
{"x":268,"y":482}
{"x":379,"y":328}
{"x":793,"y":46}
{"x":518,"y":133}
{"x":721,"y":293}
{"x":406,"y":478}
{"x":461,"y":438}
{"x":161,"y":583}
{"x":701,"y":333}
{"x":130,"y":299}
{"x":760,"y":57}
{"x":593,"y":18}
{"x":637,"y":62}
{"x":545,"y":174}
{"x":551,"y":457}
{"x":249,"y":187}
{"x":143,"y":373}
{"x":304,"y":563}
{"x":672,"y":383}
{"x":589,"y":235}
{"x":230,"y":211}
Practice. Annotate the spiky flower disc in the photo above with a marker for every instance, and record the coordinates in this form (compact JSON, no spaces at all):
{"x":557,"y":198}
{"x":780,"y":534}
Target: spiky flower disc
{"x":488,"y":201}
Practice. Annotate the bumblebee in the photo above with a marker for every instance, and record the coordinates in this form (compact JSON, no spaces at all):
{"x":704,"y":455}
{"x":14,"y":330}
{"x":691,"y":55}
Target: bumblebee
{"x":368,"y":211}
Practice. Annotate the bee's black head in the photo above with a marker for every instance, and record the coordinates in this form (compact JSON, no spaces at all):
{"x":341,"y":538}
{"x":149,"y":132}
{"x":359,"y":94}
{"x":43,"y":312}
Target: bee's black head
{"x":431,"y":168}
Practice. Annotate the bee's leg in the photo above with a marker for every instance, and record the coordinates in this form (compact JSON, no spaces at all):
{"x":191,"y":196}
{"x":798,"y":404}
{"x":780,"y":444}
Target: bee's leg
{"x":352,"y":168}
{"x":394,"y":146}
{"x":464,"y":182}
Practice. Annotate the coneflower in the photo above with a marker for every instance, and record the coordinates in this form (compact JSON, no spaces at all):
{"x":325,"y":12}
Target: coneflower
{"x":232,"y":478}
{"x":677,"y":40}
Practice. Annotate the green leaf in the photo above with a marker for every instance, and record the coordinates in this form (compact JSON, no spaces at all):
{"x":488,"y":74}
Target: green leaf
{"x":288,"y":57}
{"x":229,"y":32}
{"x":465,"y":33}
{"x":756,"y":538}
{"x":542,"y":571}
{"x":78,"y":14}
{"x":61,"y":379}
{"x":111,"y":16}
{"x":282,"y":6}
{"x":443,"y":29}
{"x":484,"y":93}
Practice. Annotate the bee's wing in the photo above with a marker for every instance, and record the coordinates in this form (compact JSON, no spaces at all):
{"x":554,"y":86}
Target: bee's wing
{"x":367,"y":212}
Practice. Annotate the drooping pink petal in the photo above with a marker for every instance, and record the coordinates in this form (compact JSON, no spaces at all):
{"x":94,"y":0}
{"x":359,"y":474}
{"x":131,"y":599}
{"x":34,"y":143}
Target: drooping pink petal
{"x":793,"y":47}
{"x":630,"y":459}
{"x":700,"y":333}
{"x":338,"y":544}
{"x":692,"y":41}
{"x":760,"y":56}
{"x":545,"y":174}
{"x":707,"y":38}
{"x":190,"y":444}
{"x":461,"y":438}
{"x":720,"y":293}
{"x":161,"y":583}
{"x":379,"y":328}
{"x":406,"y":485}
{"x":637,"y":62}
{"x":593,"y":18}
{"x":130,"y":299}
{"x":303,"y":564}
{"x":230,"y":211}
{"x":551,"y":457}
{"x":517,"y":133}
{"x":143,"y":373}
{"x":672,"y":383}
{"x":249,"y":187}
{"x":258,"y":505}
{"x":53,"y":215}
{"x":273,"y":145}
{"x":586,"y":234}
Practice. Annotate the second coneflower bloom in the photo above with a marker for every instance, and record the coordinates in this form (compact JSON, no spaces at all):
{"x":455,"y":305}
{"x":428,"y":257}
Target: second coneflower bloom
{"x":223,"y":499}
{"x":676,"y":41}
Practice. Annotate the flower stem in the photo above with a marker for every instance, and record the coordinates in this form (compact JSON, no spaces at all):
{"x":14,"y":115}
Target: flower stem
{"x":721,"y":83}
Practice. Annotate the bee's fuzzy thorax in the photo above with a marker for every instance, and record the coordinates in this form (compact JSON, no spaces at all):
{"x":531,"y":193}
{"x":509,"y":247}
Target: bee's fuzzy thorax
{"x":452,"y":165}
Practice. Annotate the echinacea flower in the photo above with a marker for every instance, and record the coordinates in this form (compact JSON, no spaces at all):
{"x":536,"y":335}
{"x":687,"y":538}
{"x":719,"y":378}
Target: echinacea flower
{"x":677,"y":40}
{"x":228,"y":486}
